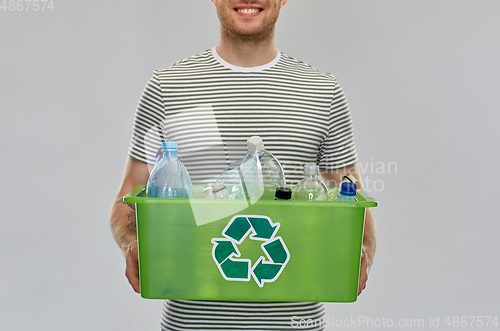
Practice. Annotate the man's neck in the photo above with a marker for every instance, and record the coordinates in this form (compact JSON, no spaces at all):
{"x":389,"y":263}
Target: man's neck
{"x":252,"y":53}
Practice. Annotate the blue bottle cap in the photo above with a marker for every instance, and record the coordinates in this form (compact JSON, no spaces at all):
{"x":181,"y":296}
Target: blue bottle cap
{"x":169,"y":145}
{"x":348,"y":189}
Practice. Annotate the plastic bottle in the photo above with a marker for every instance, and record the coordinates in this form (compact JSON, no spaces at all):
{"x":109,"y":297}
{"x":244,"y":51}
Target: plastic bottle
{"x":169,"y":178}
{"x":260,"y":172}
{"x":311,"y":188}
{"x":347,"y":192}
{"x":231,"y":178}
{"x":208,"y":191}
{"x":159,"y":155}
{"x":283,"y":193}
{"x":220,"y":191}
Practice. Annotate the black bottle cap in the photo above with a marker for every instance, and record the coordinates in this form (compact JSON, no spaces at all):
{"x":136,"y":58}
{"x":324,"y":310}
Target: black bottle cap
{"x":283,"y":193}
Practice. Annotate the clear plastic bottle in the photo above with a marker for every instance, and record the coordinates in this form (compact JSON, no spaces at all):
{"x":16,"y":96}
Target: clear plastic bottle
{"x":159,"y":155}
{"x":169,"y":178}
{"x":310,"y":188}
{"x":231,"y":178}
{"x":208,"y":191}
{"x":347,"y":192}
{"x":260,"y":172}
{"x":220,"y":191}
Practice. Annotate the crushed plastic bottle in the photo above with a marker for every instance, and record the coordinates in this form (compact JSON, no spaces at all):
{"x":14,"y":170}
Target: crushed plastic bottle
{"x":310,"y":188}
{"x":347,"y":192}
{"x":208,"y":191}
{"x":231,"y":178}
{"x":220,"y":191}
{"x":169,"y":178}
{"x":260,"y":172}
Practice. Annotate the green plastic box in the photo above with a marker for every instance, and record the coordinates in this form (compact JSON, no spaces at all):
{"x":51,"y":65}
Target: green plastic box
{"x":201,"y":249}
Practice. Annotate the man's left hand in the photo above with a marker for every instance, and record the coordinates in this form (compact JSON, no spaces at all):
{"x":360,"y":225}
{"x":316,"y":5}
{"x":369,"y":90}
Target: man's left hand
{"x":363,"y":271}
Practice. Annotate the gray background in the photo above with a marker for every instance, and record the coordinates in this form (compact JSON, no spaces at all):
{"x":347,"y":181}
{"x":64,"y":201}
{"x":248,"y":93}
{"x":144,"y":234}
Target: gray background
{"x":420,"y":77}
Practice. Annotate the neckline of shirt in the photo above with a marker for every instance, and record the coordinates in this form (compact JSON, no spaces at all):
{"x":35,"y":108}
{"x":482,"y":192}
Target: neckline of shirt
{"x":245,"y":69}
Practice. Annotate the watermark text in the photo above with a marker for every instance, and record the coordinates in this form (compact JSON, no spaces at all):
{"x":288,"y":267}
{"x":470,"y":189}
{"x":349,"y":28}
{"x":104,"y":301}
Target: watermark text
{"x":472,"y":322}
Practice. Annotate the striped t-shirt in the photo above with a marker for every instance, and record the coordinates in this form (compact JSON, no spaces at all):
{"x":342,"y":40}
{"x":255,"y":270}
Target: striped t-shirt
{"x":210,"y":108}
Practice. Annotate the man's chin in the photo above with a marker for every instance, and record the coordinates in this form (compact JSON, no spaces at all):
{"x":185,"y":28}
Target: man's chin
{"x":250,"y":34}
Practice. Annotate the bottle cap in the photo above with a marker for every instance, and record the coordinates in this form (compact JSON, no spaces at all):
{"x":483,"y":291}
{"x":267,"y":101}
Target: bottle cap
{"x":283,"y":193}
{"x":348,"y":188}
{"x":255,"y":144}
{"x":169,"y":145}
{"x":311,"y":169}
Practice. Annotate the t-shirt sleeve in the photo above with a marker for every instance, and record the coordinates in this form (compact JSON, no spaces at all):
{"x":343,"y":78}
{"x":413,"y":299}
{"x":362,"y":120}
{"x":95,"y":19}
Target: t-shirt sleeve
{"x":338,"y":149}
{"x":148,"y":128}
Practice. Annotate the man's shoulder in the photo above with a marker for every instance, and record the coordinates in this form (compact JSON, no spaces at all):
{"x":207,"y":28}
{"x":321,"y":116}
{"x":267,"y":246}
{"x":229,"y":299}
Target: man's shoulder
{"x":200,"y":61}
{"x":291,"y":64}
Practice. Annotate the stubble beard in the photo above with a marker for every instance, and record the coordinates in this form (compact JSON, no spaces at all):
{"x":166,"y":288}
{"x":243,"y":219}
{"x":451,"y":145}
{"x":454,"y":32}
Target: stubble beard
{"x":263,"y":33}
{"x":247,"y":38}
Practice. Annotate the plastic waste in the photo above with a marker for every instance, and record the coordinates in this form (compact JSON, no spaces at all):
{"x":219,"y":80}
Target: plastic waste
{"x":311,"y":188}
{"x":260,"y":172}
{"x":208,"y":191}
{"x":283,"y":193}
{"x":220,"y":191}
{"x":347,"y":192}
{"x":231,"y":178}
{"x":159,"y":155}
{"x":169,"y":178}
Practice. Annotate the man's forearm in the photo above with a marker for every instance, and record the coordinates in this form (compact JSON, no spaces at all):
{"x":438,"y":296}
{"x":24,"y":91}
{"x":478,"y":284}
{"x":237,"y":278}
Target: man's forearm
{"x":123,"y":223}
{"x":122,"y":219}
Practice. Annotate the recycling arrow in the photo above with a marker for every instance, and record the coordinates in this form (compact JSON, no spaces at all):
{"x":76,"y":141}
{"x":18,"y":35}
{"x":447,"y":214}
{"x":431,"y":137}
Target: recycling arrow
{"x":224,"y":249}
{"x":236,"y":269}
{"x":237,"y":229}
{"x":232,"y":269}
{"x":276,"y":250}
{"x":263,"y":271}
{"x":263,"y":228}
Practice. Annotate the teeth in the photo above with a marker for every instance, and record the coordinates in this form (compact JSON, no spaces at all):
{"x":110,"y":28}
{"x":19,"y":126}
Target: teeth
{"x":248,"y":11}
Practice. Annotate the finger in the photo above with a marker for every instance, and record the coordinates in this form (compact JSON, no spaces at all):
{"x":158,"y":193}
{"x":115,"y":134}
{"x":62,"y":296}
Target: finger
{"x":362,"y":285}
{"x":132,"y":271}
{"x":133,"y":277}
{"x":363,"y":274}
{"x":134,"y":253}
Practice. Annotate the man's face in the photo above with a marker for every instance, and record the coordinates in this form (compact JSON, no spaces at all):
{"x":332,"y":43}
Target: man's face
{"x":248,"y":19}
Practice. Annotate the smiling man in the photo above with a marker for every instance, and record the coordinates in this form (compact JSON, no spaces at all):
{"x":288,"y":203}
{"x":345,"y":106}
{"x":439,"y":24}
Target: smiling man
{"x":242,"y":87}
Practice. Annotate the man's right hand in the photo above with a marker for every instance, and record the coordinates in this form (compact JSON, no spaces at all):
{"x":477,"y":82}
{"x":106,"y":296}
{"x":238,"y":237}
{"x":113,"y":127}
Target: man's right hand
{"x":132,"y":266}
